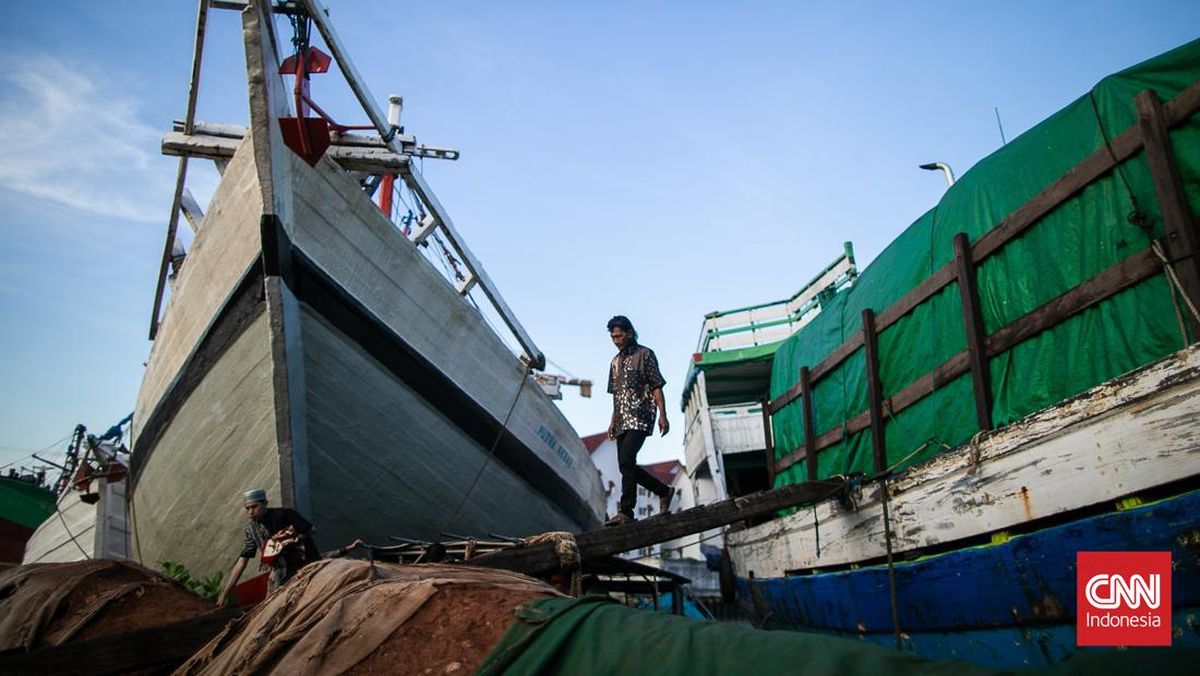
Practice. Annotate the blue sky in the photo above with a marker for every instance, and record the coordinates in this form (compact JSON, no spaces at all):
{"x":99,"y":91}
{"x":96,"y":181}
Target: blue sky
{"x":656,"y":159}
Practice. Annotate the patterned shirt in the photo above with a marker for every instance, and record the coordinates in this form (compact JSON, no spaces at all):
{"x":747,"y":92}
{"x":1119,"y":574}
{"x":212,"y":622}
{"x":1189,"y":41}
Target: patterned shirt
{"x":633,"y":376}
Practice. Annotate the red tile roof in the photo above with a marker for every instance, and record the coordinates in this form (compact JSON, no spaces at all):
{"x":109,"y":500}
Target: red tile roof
{"x":664,"y":471}
{"x":593,"y":442}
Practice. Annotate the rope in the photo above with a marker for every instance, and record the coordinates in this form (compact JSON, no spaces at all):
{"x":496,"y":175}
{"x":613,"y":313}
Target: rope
{"x":567,"y":550}
{"x":1175,"y":283}
{"x":31,"y":454}
{"x":492,"y":451}
{"x":1137,"y":217}
{"x":67,"y":528}
{"x":1178,"y":313}
{"x":817,"y":530}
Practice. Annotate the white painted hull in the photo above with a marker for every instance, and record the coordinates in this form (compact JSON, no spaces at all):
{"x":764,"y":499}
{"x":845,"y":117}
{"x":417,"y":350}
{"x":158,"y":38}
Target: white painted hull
{"x":310,"y":349}
{"x":1133,"y":433}
{"x":78,"y":530}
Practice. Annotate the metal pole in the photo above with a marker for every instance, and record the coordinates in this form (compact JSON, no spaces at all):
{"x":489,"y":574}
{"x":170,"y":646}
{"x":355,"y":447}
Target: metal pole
{"x":942,"y":167}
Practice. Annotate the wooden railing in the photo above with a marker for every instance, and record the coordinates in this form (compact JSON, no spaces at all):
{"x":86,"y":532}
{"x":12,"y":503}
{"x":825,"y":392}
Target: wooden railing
{"x":1181,"y":243}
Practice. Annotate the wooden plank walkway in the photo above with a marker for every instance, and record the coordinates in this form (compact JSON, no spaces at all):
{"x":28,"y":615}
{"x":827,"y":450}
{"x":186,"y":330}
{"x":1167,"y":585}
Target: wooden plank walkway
{"x":540,"y":558}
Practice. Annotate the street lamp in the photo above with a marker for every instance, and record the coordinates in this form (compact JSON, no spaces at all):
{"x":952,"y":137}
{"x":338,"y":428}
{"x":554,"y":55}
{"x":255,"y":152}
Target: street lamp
{"x":944,"y":168}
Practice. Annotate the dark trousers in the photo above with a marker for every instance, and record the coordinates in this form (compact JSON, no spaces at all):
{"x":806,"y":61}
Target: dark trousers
{"x":629,"y":443}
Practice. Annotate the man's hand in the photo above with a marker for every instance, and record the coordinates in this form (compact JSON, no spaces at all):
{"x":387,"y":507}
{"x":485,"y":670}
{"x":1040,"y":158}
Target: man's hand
{"x":612,"y":426}
{"x":663,"y":425}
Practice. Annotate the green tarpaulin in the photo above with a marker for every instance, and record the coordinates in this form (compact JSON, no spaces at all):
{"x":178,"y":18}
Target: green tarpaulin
{"x":596,"y":635}
{"x":1085,"y":235}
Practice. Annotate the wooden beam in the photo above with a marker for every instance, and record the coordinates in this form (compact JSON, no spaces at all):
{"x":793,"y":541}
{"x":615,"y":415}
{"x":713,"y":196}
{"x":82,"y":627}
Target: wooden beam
{"x":769,"y":443}
{"x":835,"y":358}
{"x":791,"y":394}
{"x":810,"y":432}
{"x":181,"y":174}
{"x":540,"y":558}
{"x":408,"y":142}
{"x":191,"y":210}
{"x":874,"y":390}
{"x":1102,"y":286}
{"x":154,"y":648}
{"x":1182,"y":234}
{"x":920,"y":293}
{"x":367,"y":159}
{"x":968,"y":293}
{"x":1096,"y":289}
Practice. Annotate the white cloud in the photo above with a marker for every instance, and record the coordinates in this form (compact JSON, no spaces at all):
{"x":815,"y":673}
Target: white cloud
{"x":71,"y":136}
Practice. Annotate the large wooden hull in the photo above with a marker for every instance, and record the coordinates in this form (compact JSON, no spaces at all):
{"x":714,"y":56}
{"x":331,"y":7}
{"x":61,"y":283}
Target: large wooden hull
{"x":1054,"y":477}
{"x":310,"y":349}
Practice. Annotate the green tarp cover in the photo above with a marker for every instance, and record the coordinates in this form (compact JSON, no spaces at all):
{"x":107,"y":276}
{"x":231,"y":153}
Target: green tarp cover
{"x":1082,"y":237}
{"x":597,"y":635}
{"x":24,"y":503}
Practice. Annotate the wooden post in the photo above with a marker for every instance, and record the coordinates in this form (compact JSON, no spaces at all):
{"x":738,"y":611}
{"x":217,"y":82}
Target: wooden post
{"x":968,"y":293}
{"x":874,"y":389}
{"x":1182,"y":241}
{"x":769,"y":442}
{"x":810,"y":434}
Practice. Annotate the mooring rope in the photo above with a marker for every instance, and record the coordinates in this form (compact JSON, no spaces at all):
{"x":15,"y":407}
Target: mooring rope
{"x":569,"y":558}
{"x":492,"y":451}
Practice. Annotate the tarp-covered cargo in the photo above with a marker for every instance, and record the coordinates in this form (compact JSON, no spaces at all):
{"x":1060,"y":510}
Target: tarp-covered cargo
{"x":1111,"y":219}
{"x":595,"y":635}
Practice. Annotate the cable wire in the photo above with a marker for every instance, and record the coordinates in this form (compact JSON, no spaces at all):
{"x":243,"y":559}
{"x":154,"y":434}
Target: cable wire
{"x":491,"y":451}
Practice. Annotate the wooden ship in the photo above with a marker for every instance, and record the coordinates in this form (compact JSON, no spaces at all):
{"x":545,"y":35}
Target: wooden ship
{"x":311,"y":347}
{"x":1015,"y":379}
{"x":87,"y":518}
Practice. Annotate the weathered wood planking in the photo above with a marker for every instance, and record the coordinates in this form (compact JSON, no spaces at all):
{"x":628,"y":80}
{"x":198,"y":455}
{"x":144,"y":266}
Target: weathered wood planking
{"x":1126,"y":435}
{"x":405,"y":469}
{"x":541,"y":558}
{"x":220,"y":254}
{"x":1030,"y":578}
{"x":187,"y":504}
{"x":112,"y":520}
{"x":350,"y":158}
{"x":346,"y":236}
{"x":67,"y":535}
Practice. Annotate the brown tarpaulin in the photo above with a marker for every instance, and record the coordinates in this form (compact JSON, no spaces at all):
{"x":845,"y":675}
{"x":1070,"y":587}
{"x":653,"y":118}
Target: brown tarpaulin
{"x":341,"y":615}
{"x":48,"y":604}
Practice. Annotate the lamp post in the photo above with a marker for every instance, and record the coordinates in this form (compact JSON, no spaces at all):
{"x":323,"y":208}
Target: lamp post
{"x":944,"y":168}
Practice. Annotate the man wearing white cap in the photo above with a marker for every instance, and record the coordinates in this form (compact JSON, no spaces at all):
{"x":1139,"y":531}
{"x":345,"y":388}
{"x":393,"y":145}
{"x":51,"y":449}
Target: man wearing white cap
{"x":280,"y":537}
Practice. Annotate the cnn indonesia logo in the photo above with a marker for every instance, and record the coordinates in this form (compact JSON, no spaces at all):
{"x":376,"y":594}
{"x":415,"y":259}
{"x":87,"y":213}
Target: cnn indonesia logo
{"x":1124,"y":598}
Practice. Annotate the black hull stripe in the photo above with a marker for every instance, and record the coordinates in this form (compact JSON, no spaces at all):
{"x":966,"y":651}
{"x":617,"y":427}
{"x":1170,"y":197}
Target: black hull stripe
{"x":243,"y":306}
{"x":327,"y":297}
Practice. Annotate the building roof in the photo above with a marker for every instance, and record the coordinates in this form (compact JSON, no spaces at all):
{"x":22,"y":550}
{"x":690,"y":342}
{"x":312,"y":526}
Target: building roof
{"x":592,"y":442}
{"x":664,"y":471}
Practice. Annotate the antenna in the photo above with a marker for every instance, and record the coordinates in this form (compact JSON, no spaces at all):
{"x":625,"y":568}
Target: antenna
{"x":1003,"y":141}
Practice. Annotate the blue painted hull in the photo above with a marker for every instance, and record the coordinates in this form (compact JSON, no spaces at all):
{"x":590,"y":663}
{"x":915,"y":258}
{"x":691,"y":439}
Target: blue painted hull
{"x":1008,"y":605}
